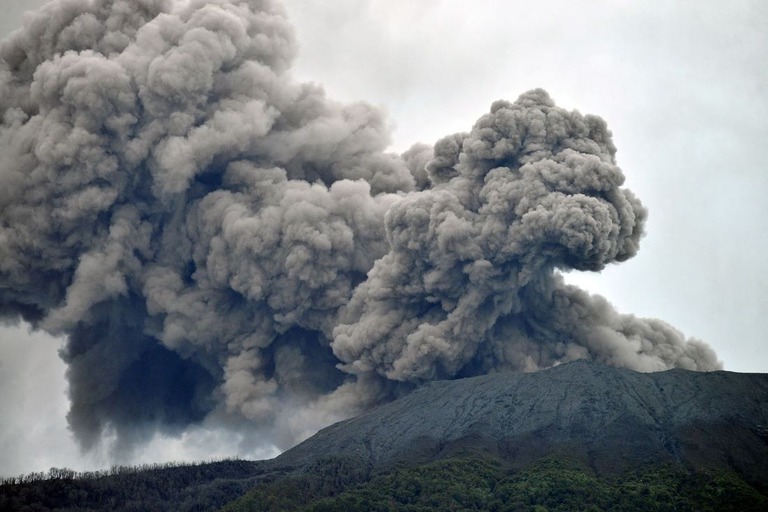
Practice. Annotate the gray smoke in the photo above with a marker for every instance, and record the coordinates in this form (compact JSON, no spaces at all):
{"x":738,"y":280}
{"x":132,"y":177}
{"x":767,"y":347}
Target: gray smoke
{"x":219,"y":241}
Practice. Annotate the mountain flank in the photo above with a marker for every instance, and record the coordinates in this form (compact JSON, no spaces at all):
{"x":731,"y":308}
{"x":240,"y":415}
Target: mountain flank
{"x":580,"y":436}
{"x":612,"y":419}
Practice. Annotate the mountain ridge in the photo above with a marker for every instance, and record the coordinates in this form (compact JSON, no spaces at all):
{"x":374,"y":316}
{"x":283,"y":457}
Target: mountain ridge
{"x":611,"y":417}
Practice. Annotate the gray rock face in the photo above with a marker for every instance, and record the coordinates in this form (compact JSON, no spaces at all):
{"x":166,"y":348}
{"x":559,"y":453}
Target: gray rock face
{"x":611,"y":418}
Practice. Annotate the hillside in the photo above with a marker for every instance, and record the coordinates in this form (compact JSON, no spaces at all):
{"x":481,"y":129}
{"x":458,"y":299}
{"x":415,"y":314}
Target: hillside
{"x":572,"y":437}
{"x":612,"y":418}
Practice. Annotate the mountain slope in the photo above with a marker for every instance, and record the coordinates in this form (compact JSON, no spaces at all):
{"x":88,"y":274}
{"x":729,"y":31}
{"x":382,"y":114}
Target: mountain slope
{"x":611,"y":418}
{"x":483,"y":484}
{"x":580,"y":436}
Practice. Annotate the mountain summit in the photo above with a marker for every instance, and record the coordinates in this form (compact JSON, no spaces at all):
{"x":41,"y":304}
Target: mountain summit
{"x":610,"y":418}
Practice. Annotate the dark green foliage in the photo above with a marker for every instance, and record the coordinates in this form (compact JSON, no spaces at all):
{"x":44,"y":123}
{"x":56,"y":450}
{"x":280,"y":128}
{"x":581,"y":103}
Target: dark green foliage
{"x":460,"y":484}
{"x":339,"y":484}
{"x":326,"y":477}
{"x":194,"y":487}
{"x":557,"y":485}
{"x":484,"y":484}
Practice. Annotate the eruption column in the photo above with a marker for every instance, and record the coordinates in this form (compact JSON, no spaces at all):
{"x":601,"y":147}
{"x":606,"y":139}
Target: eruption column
{"x":220,"y":243}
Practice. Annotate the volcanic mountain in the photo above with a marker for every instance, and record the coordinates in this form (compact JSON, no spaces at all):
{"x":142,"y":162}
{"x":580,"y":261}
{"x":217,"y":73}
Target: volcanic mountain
{"x":610,"y":418}
{"x":579,"y":436}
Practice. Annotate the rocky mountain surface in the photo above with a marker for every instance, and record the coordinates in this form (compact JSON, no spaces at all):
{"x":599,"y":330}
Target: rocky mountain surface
{"x":610,"y":418}
{"x":580,"y":436}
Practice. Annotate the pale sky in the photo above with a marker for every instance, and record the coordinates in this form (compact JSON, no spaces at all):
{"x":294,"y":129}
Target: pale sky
{"x":682,"y":85}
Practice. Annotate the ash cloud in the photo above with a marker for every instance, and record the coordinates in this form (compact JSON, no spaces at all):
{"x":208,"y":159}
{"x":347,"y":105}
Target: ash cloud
{"x":219,"y":242}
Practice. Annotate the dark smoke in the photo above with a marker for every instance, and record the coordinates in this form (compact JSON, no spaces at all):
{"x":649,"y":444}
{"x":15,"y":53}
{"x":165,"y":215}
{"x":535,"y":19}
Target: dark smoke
{"x":217,"y":240}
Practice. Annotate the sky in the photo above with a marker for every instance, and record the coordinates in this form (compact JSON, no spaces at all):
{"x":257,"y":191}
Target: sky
{"x":683,"y":87}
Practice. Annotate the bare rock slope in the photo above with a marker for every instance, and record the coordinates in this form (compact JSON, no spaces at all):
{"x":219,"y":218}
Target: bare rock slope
{"x":610,"y":418}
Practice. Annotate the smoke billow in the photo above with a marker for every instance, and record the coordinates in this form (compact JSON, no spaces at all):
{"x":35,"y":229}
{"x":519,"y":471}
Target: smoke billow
{"x":219,"y":241}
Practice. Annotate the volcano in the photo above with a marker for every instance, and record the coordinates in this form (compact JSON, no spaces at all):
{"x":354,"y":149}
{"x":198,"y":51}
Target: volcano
{"x":610,"y":418}
{"x":571,"y":437}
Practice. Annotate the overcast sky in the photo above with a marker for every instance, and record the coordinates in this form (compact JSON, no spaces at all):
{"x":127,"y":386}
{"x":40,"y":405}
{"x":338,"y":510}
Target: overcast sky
{"x":682,"y":85}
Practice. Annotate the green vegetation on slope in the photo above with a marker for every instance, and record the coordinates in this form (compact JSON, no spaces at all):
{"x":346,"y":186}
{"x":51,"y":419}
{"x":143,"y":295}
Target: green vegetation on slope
{"x":338,"y":484}
{"x":187,"y":487}
{"x":484,"y":484}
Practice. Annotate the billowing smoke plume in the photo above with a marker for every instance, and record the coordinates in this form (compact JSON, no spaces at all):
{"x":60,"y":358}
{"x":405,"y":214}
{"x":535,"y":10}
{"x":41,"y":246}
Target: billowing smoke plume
{"x":216,"y":240}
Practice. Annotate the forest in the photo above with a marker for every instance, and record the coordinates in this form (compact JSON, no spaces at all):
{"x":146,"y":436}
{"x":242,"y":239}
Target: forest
{"x":470,"y":483}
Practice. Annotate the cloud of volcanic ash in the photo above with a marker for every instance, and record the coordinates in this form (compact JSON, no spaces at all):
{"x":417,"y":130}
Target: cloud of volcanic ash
{"x":218,"y":241}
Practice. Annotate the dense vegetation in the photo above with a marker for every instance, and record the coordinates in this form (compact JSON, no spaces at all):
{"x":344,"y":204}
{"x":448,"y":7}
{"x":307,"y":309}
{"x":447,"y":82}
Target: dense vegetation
{"x":484,"y":484}
{"x":189,"y":487}
{"x":336,"y":485}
